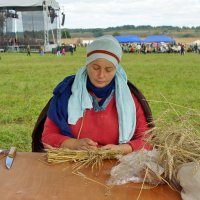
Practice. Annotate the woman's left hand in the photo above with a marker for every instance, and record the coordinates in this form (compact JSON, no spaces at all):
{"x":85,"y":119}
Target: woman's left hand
{"x":124,"y":148}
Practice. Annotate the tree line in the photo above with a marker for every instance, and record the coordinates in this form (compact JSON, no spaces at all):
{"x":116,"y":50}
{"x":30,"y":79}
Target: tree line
{"x":141,"y":31}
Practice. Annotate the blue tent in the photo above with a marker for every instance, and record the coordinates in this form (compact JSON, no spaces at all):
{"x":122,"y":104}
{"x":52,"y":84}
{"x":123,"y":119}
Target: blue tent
{"x":158,"y":38}
{"x":128,"y":38}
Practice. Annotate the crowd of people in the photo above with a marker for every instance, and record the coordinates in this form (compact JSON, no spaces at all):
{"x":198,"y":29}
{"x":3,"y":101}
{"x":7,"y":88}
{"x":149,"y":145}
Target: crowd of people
{"x":161,"y":47}
{"x":61,"y":50}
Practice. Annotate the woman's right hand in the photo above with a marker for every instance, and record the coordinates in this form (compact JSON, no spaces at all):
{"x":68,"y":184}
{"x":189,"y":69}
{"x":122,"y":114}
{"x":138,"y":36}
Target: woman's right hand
{"x":79,"y":144}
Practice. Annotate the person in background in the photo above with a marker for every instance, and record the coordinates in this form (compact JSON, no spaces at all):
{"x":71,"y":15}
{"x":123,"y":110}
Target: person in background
{"x":58,"y":51}
{"x":196,"y":48}
{"x":182,"y":49}
{"x":95,"y":108}
{"x":71,"y":50}
{"x":28,"y":48}
{"x":74,"y":47}
{"x":42,"y":50}
{"x":63,"y":51}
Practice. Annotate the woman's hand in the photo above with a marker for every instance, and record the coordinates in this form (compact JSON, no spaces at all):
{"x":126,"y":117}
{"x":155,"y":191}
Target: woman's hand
{"x":85,"y":144}
{"x":124,"y":148}
{"x":79,"y":144}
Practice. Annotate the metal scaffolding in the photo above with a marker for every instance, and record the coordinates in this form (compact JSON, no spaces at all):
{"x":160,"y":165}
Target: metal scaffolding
{"x":29,"y":22}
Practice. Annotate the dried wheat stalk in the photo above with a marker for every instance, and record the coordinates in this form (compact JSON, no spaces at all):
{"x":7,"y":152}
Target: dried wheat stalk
{"x":92,"y":158}
{"x":178,"y":142}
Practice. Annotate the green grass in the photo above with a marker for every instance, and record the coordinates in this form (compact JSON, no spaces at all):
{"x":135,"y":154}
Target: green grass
{"x":26,"y":84}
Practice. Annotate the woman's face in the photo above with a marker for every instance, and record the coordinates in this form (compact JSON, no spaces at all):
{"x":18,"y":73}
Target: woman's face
{"x":101,"y":72}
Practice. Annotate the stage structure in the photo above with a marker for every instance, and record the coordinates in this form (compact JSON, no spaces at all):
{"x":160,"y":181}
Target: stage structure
{"x":29,"y":22}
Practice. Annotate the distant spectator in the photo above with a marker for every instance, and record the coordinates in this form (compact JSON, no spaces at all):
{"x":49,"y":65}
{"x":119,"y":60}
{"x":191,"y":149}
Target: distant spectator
{"x":28,"y":48}
{"x":132,"y":50}
{"x":58,"y":51}
{"x":71,"y":50}
{"x":74,"y":47}
{"x":196,"y":48}
{"x":138,"y":48}
{"x":63,"y":51}
{"x":144,"y":48}
{"x":41,"y":50}
{"x":182,"y":49}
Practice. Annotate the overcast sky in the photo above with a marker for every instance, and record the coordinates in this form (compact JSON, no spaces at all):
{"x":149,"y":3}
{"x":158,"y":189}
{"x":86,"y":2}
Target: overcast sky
{"x":112,"y":13}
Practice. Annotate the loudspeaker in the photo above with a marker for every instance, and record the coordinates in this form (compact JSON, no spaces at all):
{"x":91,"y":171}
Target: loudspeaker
{"x":52,"y":14}
{"x":63,"y":19}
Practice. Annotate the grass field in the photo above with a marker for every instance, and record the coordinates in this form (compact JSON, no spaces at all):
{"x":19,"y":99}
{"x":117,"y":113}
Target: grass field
{"x":26,"y":84}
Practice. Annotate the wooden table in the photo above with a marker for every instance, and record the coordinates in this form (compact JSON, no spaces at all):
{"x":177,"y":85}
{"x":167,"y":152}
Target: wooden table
{"x":30,"y":178}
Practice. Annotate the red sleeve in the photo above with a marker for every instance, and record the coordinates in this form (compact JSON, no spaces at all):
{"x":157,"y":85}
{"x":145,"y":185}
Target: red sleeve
{"x":137,"y":141}
{"x":51,"y":134}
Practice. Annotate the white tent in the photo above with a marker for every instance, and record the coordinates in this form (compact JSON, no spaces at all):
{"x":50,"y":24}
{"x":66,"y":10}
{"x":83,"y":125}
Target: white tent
{"x":196,"y":42}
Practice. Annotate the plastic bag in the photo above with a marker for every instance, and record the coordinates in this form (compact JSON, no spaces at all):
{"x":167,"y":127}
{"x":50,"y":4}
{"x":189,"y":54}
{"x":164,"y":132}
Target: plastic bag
{"x":137,"y":167}
{"x":189,"y":177}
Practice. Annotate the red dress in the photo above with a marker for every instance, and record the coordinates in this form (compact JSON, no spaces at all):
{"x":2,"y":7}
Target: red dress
{"x":101,"y":127}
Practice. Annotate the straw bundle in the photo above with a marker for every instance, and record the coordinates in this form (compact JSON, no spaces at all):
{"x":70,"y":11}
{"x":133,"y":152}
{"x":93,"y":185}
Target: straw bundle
{"x":178,"y":142}
{"x":92,"y":158}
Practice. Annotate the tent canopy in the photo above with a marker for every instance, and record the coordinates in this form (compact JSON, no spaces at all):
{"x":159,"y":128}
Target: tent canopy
{"x":128,"y":38}
{"x":196,"y":42}
{"x":158,"y":38}
{"x":28,"y":3}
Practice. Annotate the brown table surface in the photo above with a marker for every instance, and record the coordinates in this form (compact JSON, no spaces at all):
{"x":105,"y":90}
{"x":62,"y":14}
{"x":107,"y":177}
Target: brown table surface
{"x":31,"y":178}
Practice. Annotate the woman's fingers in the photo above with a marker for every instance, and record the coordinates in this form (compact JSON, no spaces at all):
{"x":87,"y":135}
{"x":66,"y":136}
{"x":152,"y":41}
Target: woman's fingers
{"x":85,"y":144}
{"x":91,"y":142}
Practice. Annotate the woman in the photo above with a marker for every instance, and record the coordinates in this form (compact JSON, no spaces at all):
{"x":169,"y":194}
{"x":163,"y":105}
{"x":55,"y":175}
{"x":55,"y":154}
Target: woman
{"x":95,"y":108}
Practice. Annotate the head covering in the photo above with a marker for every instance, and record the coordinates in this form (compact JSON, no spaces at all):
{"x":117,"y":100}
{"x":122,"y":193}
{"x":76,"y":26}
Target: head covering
{"x":104,"y":47}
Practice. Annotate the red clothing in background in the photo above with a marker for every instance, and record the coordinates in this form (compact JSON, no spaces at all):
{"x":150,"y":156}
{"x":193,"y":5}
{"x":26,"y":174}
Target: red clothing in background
{"x":101,"y":127}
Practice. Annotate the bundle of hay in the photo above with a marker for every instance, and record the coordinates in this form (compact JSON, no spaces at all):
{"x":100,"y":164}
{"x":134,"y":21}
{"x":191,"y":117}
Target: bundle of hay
{"x":177,"y":142}
{"x":92,"y":158}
